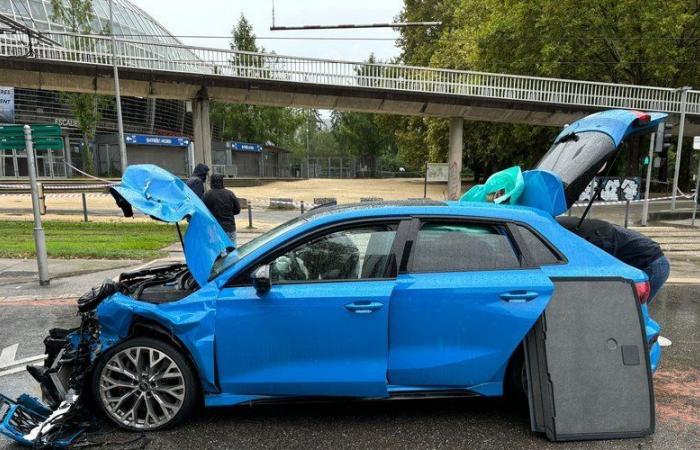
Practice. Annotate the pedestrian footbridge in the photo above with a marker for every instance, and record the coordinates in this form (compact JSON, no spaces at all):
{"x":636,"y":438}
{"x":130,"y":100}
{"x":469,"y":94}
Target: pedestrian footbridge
{"x":83,"y":63}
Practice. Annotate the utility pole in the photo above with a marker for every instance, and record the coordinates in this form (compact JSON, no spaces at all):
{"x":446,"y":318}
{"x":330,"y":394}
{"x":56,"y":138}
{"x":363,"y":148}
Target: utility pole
{"x":117,"y":94}
{"x":679,"y":148}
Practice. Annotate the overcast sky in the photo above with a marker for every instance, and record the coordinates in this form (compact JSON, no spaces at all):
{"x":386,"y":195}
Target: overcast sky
{"x":216,"y":17}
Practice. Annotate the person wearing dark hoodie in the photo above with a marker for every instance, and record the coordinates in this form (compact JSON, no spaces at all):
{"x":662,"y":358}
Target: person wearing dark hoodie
{"x":198,"y":178}
{"x":223,"y":204}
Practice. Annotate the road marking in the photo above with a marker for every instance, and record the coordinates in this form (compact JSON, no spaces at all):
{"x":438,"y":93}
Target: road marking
{"x":9,"y":365}
{"x":8,"y":355}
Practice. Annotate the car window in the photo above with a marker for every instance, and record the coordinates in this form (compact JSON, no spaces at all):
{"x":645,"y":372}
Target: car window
{"x":541,"y":252}
{"x":451,"y":247}
{"x":352,"y":254}
{"x":225,"y":261}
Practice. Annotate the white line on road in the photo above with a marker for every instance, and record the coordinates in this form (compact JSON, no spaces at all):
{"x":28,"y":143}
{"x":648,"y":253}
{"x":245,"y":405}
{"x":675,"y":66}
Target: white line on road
{"x":8,"y":355}
{"x":8,"y":364}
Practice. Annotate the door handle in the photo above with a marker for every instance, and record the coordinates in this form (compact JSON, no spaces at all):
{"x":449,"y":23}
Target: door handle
{"x":519,"y":296}
{"x":364,"y":307}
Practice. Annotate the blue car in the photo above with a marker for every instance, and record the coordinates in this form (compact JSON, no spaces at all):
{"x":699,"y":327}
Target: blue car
{"x":373,"y":300}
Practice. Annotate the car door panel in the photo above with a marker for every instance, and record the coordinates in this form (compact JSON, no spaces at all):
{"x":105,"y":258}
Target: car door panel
{"x":315,"y":339}
{"x":460,"y":328}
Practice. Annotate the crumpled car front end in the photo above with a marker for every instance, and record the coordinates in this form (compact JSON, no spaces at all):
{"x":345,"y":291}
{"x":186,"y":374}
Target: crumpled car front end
{"x":61,"y":417}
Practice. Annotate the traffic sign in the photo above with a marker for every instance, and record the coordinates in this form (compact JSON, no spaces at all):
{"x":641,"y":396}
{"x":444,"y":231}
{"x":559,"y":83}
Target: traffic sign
{"x":696,"y":143}
{"x":45,"y":137}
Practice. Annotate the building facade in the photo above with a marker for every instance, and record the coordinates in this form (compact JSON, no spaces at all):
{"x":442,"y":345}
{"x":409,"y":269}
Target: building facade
{"x":141,"y":116}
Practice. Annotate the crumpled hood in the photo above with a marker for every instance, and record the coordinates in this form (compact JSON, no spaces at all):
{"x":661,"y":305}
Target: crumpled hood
{"x":163,"y":196}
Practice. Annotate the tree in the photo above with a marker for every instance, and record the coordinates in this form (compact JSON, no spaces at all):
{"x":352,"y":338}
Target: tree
{"x":77,"y":16}
{"x":620,"y":41}
{"x":252,"y":123}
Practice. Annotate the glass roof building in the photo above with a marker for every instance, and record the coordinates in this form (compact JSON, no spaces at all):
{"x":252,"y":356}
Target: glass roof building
{"x":130,"y":23}
{"x":141,"y":116}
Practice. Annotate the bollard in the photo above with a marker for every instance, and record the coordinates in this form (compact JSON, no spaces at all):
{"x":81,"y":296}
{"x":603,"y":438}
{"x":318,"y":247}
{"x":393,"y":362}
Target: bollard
{"x":85,"y":214}
{"x":302,"y":207}
{"x":250,"y":216}
{"x":42,"y":198}
{"x":627,"y":212}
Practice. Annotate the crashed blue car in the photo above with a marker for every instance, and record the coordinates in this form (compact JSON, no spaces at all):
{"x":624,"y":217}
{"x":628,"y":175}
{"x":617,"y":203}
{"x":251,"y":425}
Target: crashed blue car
{"x":406,"y":299}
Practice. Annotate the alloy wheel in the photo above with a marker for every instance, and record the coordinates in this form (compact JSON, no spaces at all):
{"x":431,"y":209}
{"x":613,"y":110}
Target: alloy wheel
{"x":142,"y":387}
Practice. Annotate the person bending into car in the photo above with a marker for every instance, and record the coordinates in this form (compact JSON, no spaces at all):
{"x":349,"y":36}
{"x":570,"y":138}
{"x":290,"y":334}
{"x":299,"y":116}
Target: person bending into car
{"x":224,"y":205}
{"x":198,"y":178}
{"x":630,"y":247}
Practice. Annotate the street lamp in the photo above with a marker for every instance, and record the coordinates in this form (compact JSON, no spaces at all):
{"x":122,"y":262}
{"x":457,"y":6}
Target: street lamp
{"x":117,"y":95}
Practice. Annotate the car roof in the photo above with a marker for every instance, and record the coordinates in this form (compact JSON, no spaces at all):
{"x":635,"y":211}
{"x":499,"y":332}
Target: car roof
{"x":424,"y":207}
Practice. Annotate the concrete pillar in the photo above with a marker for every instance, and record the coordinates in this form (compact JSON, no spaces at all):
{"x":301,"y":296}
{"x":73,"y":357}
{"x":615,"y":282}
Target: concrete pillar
{"x":202,"y":129}
{"x":454,"y":158}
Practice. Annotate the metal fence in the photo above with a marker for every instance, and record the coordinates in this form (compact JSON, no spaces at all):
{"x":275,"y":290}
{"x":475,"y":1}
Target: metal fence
{"x":261,"y":66}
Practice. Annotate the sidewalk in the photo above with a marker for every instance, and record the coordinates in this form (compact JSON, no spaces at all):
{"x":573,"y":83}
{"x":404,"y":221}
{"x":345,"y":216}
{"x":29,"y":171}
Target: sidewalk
{"x":73,"y":277}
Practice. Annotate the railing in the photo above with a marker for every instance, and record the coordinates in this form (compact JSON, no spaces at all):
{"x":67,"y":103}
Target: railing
{"x":260,"y":66}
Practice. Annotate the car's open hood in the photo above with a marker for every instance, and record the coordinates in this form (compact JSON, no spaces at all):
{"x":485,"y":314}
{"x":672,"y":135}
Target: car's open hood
{"x":163,"y":196}
{"x":583,"y":148}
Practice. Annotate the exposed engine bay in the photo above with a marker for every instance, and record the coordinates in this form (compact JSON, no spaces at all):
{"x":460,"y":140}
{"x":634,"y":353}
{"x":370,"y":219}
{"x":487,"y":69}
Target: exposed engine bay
{"x":65,"y":413}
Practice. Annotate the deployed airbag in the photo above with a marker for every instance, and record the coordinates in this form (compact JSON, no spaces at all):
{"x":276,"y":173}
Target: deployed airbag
{"x":588,"y":369}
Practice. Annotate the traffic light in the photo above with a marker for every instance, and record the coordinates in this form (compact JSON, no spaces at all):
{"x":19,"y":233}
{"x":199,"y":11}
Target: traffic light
{"x":662,"y":144}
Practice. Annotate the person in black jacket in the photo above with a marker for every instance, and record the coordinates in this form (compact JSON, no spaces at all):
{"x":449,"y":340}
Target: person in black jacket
{"x":198,"y":178}
{"x":628,"y":246}
{"x":223,"y":204}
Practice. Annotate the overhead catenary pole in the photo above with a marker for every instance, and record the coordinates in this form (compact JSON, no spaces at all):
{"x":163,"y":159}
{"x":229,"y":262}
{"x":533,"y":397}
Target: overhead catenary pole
{"x":679,"y":148}
{"x":117,"y":94}
{"x":652,"y":142}
{"x":39,"y":237}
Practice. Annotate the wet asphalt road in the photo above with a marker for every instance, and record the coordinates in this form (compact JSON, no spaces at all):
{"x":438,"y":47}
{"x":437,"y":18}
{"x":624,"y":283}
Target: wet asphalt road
{"x":454,"y":423}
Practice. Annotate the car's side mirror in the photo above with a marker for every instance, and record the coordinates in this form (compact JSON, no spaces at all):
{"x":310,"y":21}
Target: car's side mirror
{"x":261,"y":279}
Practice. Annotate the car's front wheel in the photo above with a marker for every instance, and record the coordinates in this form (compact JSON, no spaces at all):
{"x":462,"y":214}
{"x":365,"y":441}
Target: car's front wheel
{"x":144,"y":384}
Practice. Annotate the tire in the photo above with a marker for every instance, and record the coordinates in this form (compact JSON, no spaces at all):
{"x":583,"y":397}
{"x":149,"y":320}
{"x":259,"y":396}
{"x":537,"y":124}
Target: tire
{"x":144,"y":384}
{"x":516,"y":378}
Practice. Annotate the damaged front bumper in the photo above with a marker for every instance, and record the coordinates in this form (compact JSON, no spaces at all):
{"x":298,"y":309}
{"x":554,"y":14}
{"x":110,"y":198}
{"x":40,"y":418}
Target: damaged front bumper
{"x":62,"y":417}
{"x":29,"y":422}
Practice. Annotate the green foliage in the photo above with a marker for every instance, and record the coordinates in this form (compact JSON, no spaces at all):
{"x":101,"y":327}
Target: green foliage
{"x":77,"y":16}
{"x":110,"y":240}
{"x":360,"y":134}
{"x":250,"y":123}
{"x":622,"y":41}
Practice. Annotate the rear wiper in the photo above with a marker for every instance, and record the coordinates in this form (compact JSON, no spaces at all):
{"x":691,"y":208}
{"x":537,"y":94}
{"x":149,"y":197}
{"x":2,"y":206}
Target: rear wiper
{"x":569,"y":137}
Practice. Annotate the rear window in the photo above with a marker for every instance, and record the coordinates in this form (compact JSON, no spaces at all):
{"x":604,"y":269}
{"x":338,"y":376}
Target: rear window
{"x":541,"y":252}
{"x":577,"y":160}
{"x":454,"y":247}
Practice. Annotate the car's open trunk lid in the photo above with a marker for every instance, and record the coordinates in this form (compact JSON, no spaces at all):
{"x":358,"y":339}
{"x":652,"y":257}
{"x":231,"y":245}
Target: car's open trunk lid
{"x":583,"y":148}
{"x":163,"y":196}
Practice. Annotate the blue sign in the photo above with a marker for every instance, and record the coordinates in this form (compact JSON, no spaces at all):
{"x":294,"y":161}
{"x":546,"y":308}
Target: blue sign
{"x":147,"y":139}
{"x":246,"y":147}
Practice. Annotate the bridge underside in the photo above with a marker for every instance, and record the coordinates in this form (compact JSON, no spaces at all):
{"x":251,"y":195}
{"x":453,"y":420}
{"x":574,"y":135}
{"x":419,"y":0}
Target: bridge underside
{"x":67,"y":77}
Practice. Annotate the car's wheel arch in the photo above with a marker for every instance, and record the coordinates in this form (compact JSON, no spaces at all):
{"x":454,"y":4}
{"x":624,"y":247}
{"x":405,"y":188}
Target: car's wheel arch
{"x":144,"y":327}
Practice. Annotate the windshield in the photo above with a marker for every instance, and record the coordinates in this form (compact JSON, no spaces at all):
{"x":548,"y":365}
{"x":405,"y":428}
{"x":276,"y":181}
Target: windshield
{"x":227,"y":260}
{"x":577,"y":158}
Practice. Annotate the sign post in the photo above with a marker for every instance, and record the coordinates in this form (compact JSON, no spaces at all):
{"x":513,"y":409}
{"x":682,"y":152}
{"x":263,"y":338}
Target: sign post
{"x":696,"y":146}
{"x":39,"y":237}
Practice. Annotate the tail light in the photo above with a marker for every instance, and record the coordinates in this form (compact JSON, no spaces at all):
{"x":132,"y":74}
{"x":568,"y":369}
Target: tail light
{"x":643,"y":291}
{"x":642,"y":118}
